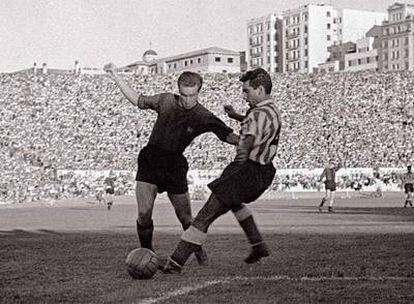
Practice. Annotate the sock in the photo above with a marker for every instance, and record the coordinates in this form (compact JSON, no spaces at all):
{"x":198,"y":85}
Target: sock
{"x":249,"y":226}
{"x":145,"y":235}
{"x":183,"y":251}
{"x":322,"y":202}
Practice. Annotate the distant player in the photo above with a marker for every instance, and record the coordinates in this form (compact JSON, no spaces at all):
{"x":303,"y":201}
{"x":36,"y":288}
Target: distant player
{"x":408,"y":181}
{"x":109,"y":184}
{"x":329,"y":175}
{"x":378,"y":183}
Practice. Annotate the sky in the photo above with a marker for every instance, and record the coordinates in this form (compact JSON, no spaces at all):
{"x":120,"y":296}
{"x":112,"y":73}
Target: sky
{"x":96,"y":32}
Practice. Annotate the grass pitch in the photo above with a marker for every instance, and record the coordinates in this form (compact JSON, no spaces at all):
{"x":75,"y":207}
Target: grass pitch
{"x":74,"y":252}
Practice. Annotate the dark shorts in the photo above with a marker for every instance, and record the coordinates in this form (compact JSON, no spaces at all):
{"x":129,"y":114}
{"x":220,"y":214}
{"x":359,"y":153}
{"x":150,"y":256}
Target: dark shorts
{"x":110,"y":191}
{"x":330,"y":185}
{"x":408,"y":188}
{"x":242,"y":183}
{"x":166,"y":170}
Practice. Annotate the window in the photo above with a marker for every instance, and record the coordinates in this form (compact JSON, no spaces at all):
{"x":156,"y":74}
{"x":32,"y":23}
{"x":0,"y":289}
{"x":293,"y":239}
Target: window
{"x":328,"y":37}
{"x":328,"y":26}
{"x":185,"y":63}
{"x":305,"y":29}
{"x":217,"y":59}
{"x":175,"y":65}
{"x":349,"y":63}
{"x":407,"y":65}
{"x":359,"y":61}
{"x":229,"y":60}
{"x":367,"y":59}
{"x":199,"y":60}
{"x":406,"y":41}
{"x":328,"y":14}
{"x":191,"y":61}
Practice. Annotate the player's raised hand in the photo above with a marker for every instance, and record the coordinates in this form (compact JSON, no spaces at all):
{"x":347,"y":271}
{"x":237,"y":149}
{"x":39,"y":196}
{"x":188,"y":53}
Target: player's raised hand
{"x":229,"y":110}
{"x":110,"y":68}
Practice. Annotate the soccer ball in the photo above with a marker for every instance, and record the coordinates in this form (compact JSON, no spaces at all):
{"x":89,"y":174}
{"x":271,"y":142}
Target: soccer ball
{"x":142,"y":263}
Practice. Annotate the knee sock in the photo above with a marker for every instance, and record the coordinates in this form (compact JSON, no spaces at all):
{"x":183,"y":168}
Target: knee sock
{"x":246,"y":221}
{"x":145,"y":234}
{"x":191,"y":241}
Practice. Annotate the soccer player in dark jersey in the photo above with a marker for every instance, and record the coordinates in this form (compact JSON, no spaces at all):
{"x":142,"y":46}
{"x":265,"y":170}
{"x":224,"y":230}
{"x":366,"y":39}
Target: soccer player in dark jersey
{"x":109,"y":183}
{"x":244,"y":179}
{"x":329,"y":174}
{"x":161,"y":164}
{"x":408,"y":182}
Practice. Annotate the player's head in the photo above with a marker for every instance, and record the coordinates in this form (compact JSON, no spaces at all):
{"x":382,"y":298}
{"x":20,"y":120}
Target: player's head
{"x":189,"y":85}
{"x":257,"y":86}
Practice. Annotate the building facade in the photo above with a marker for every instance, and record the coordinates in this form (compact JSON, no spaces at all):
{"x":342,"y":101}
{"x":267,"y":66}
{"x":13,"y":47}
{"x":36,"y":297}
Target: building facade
{"x":264,"y":43}
{"x":208,"y":60}
{"x":397,"y":39}
{"x":304,"y":36}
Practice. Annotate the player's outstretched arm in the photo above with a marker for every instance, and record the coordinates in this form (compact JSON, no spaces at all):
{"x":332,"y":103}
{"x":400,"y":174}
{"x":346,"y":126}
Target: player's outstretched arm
{"x":232,"y":113}
{"x":128,"y":92}
{"x":233,"y":139}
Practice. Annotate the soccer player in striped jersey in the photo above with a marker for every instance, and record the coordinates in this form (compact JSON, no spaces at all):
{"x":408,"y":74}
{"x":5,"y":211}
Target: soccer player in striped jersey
{"x":244,"y":179}
{"x":329,"y":174}
{"x":162,"y":167}
{"x":408,"y":182}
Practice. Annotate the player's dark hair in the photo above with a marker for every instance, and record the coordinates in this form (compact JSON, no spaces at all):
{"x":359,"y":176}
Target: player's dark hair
{"x":258,"y":77}
{"x":190,"y":79}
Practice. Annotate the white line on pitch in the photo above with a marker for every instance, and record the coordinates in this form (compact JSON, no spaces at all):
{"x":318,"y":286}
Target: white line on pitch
{"x":187,"y":289}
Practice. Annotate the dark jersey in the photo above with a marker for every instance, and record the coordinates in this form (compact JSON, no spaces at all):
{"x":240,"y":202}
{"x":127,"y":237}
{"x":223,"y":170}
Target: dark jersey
{"x":330,"y":173}
{"x":175,"y":127}
{"x":109,"y":183}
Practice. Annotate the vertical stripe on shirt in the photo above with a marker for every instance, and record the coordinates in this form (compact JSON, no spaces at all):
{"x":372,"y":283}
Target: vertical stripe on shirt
{"x":263,"y":123}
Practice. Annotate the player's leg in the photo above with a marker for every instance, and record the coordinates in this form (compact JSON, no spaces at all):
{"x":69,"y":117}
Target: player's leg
{"x":331,"y":196}
{"x":182,"y":208}
{"x":145,"y":195}
{"x":110,"y":200}
{"x":195,"y":235}
{"x":258,"y":247}
{"x":409,"y":195}
{"x":323,"y":201}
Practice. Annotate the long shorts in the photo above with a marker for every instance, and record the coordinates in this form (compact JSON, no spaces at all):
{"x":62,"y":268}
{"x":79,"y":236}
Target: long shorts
{"x":242,"y":183}
{"x":330,"y":185}
{"x":110,"y":191}
{"x":167,"y":170}
{"x":408,"y":187}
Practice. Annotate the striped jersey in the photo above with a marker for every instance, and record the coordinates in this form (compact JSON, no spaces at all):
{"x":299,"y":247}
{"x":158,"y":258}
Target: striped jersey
{"x":264,"y":124}
{"x":408,"y":178}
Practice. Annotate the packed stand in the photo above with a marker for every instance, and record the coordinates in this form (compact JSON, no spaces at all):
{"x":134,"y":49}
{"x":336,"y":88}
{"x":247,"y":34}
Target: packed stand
{"x":50,"y":123}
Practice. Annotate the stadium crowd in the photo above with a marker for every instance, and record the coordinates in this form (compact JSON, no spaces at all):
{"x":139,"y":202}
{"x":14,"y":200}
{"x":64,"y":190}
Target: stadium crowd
{"x":51,"y":123}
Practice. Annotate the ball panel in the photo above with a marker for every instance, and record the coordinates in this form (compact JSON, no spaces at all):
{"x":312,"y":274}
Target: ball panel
{"x":142,"y":263}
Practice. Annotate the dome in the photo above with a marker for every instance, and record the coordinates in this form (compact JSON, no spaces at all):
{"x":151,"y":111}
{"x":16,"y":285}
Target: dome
{"x":149,"y":55}
{"x":150,"y":52}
